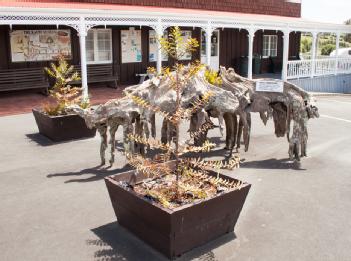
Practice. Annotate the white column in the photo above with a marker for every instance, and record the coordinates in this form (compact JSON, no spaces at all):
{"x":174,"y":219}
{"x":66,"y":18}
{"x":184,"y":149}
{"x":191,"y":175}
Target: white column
{"x":83,"y":59}
{"x":251,"y":37}
{"x":159,"y":33}
{"x":285,"y":54}
{"x":313,"y":52}
{"x":337,"y":52}
{"x":209,"y":32}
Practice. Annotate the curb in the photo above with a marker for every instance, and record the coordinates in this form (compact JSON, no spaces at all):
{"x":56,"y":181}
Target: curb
{"x":319,"y":94}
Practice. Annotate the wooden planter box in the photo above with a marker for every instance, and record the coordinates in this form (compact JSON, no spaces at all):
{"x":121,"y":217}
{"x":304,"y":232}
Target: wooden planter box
{"x":174,"y":232}
{"x":62,"y":128}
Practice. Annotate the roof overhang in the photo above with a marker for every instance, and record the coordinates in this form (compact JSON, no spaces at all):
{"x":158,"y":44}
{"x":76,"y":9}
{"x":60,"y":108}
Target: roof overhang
{"x":68,"y":13}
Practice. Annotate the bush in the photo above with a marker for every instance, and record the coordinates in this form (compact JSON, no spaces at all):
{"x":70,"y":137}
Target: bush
{"x":345,"y":45}
{"x":327,"y":49}
{"x":306,"y":44}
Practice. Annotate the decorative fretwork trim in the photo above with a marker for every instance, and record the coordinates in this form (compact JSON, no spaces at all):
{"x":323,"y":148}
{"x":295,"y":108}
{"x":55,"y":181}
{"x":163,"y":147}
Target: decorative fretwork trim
{"x":38,"y":18}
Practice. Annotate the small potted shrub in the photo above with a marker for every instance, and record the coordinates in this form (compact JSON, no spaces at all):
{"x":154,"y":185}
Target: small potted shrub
{"x":176,"y":201}
{"x":52,"y":119}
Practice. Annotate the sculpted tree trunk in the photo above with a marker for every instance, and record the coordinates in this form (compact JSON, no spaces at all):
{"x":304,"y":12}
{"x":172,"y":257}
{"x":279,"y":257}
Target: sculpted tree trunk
{"x":292,"y":104}
{"x":137,"y":120}
{"x":232,"y":102}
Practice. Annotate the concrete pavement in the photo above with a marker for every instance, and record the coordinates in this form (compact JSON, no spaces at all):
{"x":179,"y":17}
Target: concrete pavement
{"x":54,"y":204}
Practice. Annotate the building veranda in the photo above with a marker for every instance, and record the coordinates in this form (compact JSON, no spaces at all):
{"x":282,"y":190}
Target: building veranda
{"x":121,"y":40}
{"x":197,"y":163}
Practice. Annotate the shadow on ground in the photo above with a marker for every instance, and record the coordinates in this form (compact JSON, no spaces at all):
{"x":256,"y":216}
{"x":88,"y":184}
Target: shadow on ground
{"x":272,"y":164}
{"x":98,"y":173}
{"x":45,"y":141}
{"x":116,"y":243}
{"x":259,"y":164}
{"x":40,"y":139}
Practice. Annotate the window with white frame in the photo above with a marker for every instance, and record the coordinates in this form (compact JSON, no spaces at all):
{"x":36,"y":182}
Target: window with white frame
{"x":270,"y":45}
{"x":99,"y":46}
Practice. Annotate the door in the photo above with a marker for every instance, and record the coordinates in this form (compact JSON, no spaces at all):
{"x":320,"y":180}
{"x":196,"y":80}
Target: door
{"x":214,"y":49}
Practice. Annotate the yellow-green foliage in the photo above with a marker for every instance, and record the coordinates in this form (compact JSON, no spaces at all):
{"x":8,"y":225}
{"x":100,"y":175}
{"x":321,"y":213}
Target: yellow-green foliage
{"x":151,"y":70}
{"x":176,"y":46}
{"x":213,"y":78}
{"x":63,"y":94}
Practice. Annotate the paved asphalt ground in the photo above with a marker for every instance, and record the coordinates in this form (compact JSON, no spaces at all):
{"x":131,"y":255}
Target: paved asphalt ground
{"x":54,"y":204}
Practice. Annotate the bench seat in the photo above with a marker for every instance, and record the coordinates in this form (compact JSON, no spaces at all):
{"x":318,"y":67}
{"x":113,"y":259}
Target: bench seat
{"x":98,"y":73}
{"x":23,"y":79}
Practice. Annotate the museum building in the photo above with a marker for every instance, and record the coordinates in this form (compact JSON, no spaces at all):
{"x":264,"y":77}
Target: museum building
{"x":115,"y":41}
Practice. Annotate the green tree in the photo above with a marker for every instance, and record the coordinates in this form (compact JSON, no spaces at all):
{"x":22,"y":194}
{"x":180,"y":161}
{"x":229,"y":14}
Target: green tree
{"x":306,"y":44}
{"x":327,"y":49}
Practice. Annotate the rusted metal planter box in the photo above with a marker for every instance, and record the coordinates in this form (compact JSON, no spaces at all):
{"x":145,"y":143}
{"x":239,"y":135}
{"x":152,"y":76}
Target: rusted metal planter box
{"x":174,"y":232}
{"x":62,"y":128}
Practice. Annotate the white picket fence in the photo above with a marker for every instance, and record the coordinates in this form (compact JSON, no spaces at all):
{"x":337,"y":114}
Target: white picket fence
{"x":321,"y":67}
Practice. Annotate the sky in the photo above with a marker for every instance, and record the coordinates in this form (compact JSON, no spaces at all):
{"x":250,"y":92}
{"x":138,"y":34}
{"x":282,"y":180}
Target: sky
{"x":329,"y":11}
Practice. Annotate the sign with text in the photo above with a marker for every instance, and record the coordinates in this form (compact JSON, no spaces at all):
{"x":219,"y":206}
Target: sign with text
{"x":269,"y":86}
{"x":131,"y":45}
{"x":153,"y":47}
{"x":39,"y":45}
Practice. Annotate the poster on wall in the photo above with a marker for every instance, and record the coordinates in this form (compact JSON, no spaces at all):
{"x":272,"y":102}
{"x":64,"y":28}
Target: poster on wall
{"x":153,"y":47}
{"x":131,"y":45}
{"x":39,"y":45}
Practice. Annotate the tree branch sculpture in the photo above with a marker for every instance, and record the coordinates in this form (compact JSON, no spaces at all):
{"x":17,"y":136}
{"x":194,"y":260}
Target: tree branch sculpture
{"x":195,"y":93}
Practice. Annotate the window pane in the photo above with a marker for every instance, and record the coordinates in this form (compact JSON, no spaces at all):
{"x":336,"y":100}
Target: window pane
{"x":90,"y":46}
{"x":265,"y":39}
{"x":265,"y":51}
{"x":104,"y":45}
{"x":274,"y":45}
{"x":103,"y":34}
{"x":270,"y":45}
{"x":274,"y":53}
{"x":104,"y":56}
{"x":90,"y":56}
{"x":203,"y":43}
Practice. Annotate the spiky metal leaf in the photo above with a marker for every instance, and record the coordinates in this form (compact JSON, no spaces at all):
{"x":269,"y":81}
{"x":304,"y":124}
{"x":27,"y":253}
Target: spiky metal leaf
{"x":206,"y":147}
{"x":232,"y":163}
{"x":152,"y":143}
{"x":148,"y":167}
{"x":203,"y":129}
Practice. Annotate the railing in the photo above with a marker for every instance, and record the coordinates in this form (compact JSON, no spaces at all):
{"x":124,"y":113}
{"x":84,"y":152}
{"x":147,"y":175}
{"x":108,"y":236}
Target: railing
{"x":320,"y":67}
{"x":325,"y":66}
{"x":344,"y":65}
{"x":299,"y":69}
